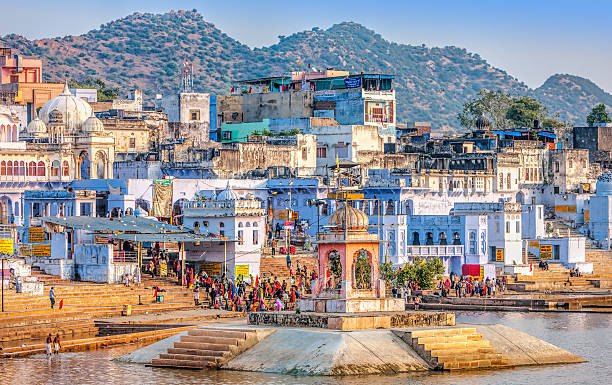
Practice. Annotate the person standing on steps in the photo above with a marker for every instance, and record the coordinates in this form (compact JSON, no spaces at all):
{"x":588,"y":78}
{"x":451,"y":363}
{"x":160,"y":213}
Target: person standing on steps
{"x":52,"y":299}
{"x":48,"y":345}
{"x":56,"y":344}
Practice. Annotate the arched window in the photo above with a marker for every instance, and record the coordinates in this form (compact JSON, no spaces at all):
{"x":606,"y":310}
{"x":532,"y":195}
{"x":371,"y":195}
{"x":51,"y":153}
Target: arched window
{"x":15,"y":168}
{"x":55,"y":168}
{"x":41,"y":169}
{"x":501,"y":181}
{"x":443,"y":238}
{"x":248,"y":224}
{"x":22,"y":168}
{"x":32,"y":169}
{"x":3,"y":168}
{"x":456,"y":239}
{"x":415,"y":238}
{"x":9,"y":168}
{"x":429,"y":240}
{"x":508,"y":181}
{"x":255,"y":224}
{"x":65,"y":168}
{"x":15,"y":133}
{"x":221,"y":224}
{"x":239,"y":224}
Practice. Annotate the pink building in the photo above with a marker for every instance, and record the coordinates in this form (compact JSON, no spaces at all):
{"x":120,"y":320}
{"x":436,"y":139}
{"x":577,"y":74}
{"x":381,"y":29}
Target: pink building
{"x":17,"y":69}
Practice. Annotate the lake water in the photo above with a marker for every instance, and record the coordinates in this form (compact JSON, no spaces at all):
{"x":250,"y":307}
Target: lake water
{"x":587,"y":335}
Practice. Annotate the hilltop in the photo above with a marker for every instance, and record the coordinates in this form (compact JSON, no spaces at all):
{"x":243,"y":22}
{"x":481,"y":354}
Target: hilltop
{"x":145,"y":50}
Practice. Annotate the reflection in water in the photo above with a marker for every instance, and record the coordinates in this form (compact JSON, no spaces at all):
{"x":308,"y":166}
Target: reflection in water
{"x":587,"y":335}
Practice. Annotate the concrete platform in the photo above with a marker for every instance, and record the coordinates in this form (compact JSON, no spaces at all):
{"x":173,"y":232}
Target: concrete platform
{"x":353,"y":321}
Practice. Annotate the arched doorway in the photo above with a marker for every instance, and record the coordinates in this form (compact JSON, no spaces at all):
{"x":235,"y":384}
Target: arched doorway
{"x":84,"y":165}
{"x":100,"y":165}
{"x":362,"y":270}
{"x":335,"y":270}
{"x":5,"y":210}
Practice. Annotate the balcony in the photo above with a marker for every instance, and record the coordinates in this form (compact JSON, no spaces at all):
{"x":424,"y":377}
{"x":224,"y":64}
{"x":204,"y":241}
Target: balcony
{"x":435,"y":251}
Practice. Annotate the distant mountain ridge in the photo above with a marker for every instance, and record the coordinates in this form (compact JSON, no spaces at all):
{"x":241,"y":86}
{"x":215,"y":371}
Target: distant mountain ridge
{"x":145,"y":50}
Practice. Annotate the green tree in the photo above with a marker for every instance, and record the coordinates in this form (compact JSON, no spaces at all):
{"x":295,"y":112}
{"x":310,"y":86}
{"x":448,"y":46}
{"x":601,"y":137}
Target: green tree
{"x":598,"y":115}
{"x":104,"y":93}
{"x":363,"y":270}
{"x":422,"y":271}
{"x":524,"y":110}
{"x":493,"y":104}
{"x":388,"y":273}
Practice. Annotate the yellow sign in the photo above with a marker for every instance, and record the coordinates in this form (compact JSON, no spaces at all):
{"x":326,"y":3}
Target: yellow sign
{"x":499,"y":255}
{"x":587,"y":216}
{"x":545,"y":248}
{"x":242,"y":270}
{"x":6,"y":246}
{"x":534,"y":244}
{"x":345,"y":195}
{"x":100,"y":240}
{"x":545,"y":255}
{"x":565,"y":208}
{"x":41,"y":250}
{"x":163,"y":269}
{"x":481,"y":275}
{"x":213,"y":269}
{"x":295,"y":215}
{"x":36,"y":235}
{"x":26,"y":249}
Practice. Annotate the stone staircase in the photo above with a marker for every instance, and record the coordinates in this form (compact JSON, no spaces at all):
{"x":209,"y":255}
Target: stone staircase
{"x":30,"y":316}
{"x":556,"y":278}
{"x":277,"y":266}
{"x":207,"y":347}
{"x":453,"y":348}
{"x":602,"y":268}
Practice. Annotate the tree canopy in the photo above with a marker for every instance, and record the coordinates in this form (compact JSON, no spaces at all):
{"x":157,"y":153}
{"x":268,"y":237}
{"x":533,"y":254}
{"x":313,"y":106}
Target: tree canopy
{"x":598,"y":115}
{"x":506,"y":111}
{"x":104,"y":93}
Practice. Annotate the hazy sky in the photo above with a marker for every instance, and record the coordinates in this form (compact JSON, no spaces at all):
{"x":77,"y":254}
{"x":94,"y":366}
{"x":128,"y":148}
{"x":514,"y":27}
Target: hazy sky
{"x":531,"y":40}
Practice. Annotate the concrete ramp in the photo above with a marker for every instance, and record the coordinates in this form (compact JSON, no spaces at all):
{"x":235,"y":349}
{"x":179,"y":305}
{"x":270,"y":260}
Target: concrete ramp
{"x":520,"y":348}
{"x":314,"y":352}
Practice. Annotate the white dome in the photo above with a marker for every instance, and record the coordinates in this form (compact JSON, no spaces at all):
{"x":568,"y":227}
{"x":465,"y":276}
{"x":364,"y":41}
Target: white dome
{"x":67,"y":109}
{"x":93,"y":124}
{"x":227,"y":195}
{"x":36,"y":127}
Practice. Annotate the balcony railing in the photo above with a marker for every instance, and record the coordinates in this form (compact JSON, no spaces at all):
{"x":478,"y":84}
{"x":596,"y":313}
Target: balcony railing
{"x":435,"y":251}
{"x":120,"y":256}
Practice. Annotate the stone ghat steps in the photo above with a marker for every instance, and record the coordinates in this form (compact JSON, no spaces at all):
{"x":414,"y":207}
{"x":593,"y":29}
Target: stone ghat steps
{"x":454,"y":349}
{"x":206,"y":347}
{"x":277,"y":266}
{"x":95,"y":342}
{"x":64,"y":328}
{"x":74,"y":313}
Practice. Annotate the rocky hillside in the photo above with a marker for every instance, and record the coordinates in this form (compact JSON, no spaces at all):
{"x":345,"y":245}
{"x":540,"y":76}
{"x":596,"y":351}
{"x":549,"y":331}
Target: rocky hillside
{"x":146,"y":50}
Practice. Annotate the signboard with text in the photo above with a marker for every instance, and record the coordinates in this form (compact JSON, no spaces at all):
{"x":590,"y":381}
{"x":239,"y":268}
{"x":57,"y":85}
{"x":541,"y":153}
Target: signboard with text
{"x":6,"y":245}
{"x":499,"y":255}
{"x":546,"y":251}
{"x":242,"y":270}
{"x":213,"y":269}
{"x":36,"y":235}
{"x":41,"y":250}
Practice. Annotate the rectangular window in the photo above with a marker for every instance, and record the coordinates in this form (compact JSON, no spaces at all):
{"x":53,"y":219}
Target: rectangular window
{"x":556,"y":166}
{"x":227,"y":135}
{"x":14,"y":78}
{"x":342,"y":151}
{"x":508,"y":227}
{"x":255,"y":237}
{"x":321,"y":152}
{"x":539,"y":213}
{"x":194,"y":114}
{"x":240,"y":237}
{"x":132,"y":142}
{"x":221,"y":233}
{"x":518,"y":226}
{"x":304,"y":153}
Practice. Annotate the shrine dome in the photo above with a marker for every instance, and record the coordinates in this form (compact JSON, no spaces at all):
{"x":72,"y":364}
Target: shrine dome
{"x":36,"y":127}
{"x":227,"y":195}
{"x":66,"y":109}
{"x":93,"y":124}
{"x":604,"y":184}
{"x":355,"y":219}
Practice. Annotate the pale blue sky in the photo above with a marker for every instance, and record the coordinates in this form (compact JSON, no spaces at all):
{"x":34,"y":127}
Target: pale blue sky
{"x":531,"y":40}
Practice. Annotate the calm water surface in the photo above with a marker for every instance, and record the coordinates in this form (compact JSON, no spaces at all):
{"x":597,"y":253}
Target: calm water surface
{"x":587,"y":335}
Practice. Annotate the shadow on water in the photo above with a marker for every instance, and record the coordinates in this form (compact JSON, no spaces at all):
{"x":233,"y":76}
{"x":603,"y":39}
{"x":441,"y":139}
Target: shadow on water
{"x":587,"y":335}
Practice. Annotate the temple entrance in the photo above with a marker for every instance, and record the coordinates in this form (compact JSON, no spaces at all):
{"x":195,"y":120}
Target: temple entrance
{"x":335,"y":270}
{"x":100,"y":165}
{"x":84,"y":165}
{"x":362,"y":270}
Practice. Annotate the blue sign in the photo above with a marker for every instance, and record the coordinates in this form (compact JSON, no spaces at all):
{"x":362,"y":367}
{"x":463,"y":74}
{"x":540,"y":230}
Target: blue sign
{"x":352,"y":82}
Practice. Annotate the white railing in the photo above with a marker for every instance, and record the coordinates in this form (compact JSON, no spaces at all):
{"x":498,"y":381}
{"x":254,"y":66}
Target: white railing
{"x":435,"y":251}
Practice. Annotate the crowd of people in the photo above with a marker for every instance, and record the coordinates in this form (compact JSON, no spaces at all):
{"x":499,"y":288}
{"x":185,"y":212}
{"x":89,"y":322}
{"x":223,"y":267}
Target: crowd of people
{"x":471,"y":286}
